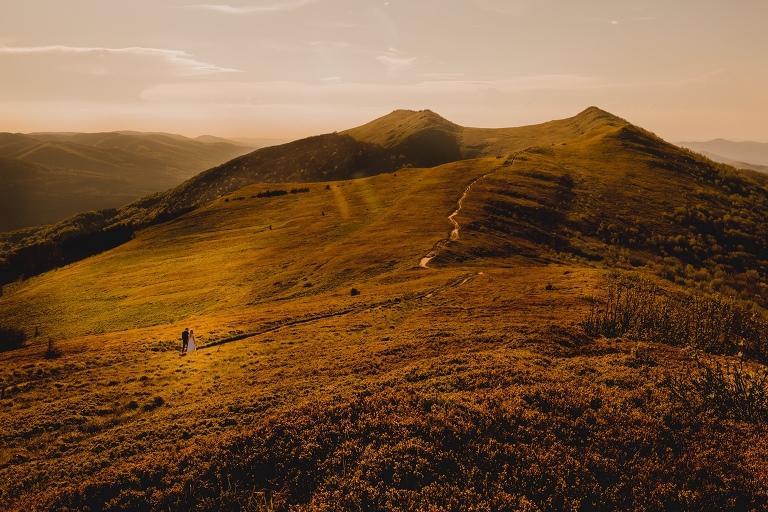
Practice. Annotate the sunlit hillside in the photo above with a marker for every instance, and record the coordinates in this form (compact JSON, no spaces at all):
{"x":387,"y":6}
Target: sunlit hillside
{"x":569,"y":318}
{"x":406,"y":139}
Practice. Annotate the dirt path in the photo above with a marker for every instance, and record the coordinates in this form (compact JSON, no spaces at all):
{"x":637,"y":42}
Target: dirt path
{"x":455,"y":232}
{"x":360,"y":308}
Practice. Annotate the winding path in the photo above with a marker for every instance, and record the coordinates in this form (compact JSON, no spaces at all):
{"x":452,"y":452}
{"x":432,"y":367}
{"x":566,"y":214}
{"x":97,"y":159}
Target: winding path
{"x":455,"y":232}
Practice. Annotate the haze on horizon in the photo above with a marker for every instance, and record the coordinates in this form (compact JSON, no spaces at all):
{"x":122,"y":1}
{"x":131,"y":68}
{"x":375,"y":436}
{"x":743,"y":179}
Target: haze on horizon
{"x":687,"y":70}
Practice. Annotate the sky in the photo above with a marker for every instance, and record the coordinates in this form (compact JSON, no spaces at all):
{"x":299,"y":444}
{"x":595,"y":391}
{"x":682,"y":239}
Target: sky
{"x":687,"y":70}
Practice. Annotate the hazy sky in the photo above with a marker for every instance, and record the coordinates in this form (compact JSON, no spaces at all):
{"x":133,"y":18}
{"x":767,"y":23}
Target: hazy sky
{"x":684,"y":69}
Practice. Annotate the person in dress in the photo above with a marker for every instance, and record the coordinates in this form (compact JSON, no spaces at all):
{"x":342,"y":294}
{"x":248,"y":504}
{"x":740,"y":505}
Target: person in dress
{"x":191,"y":344}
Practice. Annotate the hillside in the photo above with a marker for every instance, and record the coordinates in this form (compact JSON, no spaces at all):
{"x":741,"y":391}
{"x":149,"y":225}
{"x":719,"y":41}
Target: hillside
{"x":565,"y":350}
{"x":76,"y":172}
{"x":409,"y":139}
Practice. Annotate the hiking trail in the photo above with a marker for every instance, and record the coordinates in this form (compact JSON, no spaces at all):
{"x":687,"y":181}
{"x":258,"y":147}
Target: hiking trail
{"x":424,"y":262}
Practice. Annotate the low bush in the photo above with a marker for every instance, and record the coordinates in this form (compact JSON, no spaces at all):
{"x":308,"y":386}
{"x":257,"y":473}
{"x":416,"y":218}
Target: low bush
{"x":727,"y":390}
{"x":52,"y":352}
{"x":272,"y":193}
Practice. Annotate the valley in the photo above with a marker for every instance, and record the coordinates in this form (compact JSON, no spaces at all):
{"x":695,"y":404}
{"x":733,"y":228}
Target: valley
{"x":47,"y":177}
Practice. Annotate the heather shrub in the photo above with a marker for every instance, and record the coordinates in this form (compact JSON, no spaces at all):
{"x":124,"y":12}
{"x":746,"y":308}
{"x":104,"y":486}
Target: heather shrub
{"x":272,"y":193}
{"x":543,"y":446}
{"x":637,"y":307}
{"x":726,"y":389}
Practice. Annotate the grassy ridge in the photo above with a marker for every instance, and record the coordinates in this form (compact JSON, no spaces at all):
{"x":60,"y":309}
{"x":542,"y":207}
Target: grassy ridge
{"x":622,"y":196}
{"x":399,"y":140}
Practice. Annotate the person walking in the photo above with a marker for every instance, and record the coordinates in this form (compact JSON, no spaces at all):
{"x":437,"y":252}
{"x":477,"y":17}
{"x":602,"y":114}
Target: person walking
{"x":184,"y":340}
{"x":191,"y":345}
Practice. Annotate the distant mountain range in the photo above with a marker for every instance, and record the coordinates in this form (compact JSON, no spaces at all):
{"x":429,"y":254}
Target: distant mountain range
{"x":46,"y":177}
{"x":742,"y":155}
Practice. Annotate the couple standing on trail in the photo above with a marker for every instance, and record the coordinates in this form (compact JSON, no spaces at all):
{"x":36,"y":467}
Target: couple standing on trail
{"x":188,"y":341}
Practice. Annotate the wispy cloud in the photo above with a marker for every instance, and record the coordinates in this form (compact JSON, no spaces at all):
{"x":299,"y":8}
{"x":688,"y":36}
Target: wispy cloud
{"x":287,"y":5}
{"x":446,"y":88}
{"x":177,"y":58}
{"x":549,"y":82}
{"x":555,"y":82}
{"x":604,"y":84}
{"x":397,"y":61}
{"x":331,"y":90}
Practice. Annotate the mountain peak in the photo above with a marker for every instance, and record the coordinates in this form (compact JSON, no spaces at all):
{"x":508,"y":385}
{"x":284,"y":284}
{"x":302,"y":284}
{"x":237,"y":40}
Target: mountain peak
{"x":401,"y":124}
{"x":411,"y":115}
{"x":594,"y":115}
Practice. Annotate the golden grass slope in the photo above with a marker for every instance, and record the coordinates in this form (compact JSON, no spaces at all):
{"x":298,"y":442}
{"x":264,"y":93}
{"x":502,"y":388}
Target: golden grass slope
{"x":398,"y":140}
{"x":619,"y":195}
{"x":242,"y":250}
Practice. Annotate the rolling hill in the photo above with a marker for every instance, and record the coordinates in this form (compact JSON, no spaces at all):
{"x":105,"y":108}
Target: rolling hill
{"x":743,"y":155}
{"x":409,"y":139}
{"x":746,"y":151}
{"x":593,"y":337}
{"x":734,"y":163}
{"x":76,"y":172}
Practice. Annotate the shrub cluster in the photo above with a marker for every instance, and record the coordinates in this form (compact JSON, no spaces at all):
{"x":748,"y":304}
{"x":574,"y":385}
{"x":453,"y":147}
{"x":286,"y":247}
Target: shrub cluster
{"x":728,"y":390}
{"x":281,"y":192}
{"x":636,"y":307}
{"x":272,"y":193}
{"x":544,"y":447}
{"x":77,"y":241}
{"x":52,"y":352}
